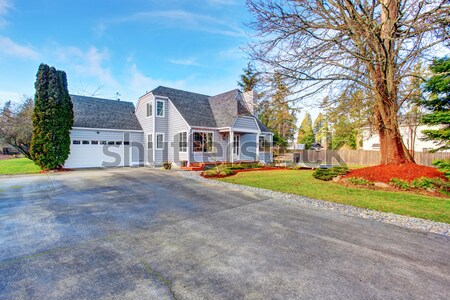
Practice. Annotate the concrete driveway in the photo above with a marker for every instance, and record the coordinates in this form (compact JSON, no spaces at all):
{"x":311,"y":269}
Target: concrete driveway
{"x":150,"y":234}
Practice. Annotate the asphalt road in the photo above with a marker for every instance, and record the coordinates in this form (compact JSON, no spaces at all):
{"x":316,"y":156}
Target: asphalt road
{"x":151,"y":234}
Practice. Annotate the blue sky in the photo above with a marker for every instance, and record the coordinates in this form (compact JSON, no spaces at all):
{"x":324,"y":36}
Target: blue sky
{"x":128,"y":47}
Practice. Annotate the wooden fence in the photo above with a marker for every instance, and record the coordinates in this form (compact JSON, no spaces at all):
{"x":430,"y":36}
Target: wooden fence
{"x":360,"y":157}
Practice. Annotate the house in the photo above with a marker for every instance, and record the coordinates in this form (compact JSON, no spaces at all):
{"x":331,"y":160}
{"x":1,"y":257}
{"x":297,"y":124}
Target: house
{"x":168,"y":125}
{"x":412,"y":137}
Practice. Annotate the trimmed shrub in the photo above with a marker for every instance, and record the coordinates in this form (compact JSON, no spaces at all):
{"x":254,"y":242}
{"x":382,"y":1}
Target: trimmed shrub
{"x":400,"y":184}
{"x":218,"y":172}
{"x":359,"y":181}
{"x":329,"y":174}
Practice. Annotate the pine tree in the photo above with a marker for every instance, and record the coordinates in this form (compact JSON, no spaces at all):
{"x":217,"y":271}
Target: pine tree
{"x":276,"y":113}
{"x":249,"y":79}
{"x":438,"y":85}
{"x":321,"y":130}
{"x":52,"y":119}
{"x":305,"y":132}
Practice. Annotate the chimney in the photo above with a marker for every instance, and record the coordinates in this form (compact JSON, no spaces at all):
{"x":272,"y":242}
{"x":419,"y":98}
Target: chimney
{"x":249,"y":101}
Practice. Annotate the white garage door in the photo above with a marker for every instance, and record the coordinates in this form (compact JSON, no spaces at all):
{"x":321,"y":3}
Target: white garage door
{"x":94,"y":154}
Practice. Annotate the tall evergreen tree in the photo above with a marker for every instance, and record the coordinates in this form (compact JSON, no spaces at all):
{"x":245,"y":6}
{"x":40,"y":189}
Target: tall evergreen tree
{"x":249,"y":79}
{"x":276,"y":113}
{"x":305,"y":132}
{"x":321,"y":130}
{"x":52,"y":119}
{"x":438,"y":85}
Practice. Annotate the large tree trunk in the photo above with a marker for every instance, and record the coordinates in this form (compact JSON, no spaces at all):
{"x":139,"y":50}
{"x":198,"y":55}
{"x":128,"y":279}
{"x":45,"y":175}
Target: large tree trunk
{"x":393,"y":150}
{"x":392,"y":147}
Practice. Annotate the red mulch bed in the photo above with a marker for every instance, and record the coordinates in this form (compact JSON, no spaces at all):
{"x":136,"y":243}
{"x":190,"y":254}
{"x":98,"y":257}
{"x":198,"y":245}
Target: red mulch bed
{"x":383,"y":173}
{"x":243,"y":170}
{"x":60,"y":170}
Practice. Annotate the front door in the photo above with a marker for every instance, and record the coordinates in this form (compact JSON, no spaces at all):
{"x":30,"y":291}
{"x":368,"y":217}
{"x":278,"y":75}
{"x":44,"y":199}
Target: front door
{"x":236,"y":147}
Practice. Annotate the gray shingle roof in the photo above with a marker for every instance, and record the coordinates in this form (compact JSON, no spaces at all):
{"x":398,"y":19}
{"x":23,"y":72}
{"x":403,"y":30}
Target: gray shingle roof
{"x":207,"y":111}
{"x":224,"y":108}
{"x":194,"y":107}
{"x":262,"y":127}
{"x":90,"y":112}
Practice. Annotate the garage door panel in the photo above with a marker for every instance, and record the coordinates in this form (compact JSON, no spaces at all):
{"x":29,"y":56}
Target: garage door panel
{"x":94,"y":156}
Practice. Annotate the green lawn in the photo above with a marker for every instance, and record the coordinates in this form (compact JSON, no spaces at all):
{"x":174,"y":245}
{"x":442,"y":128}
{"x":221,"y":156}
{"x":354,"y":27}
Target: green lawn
{"x":302,"y":183}
{"x":18,"y":166}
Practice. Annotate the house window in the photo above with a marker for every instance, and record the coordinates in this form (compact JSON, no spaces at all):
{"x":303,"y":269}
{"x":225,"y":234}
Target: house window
{"x":76,"y":142}
{"x":110,"y":143}
{"x":119,"y":143}
{"x":94,"y":142}
{"x":127,"y":143}
{"x":202,"y":142}
{"x":102,"y":142}
{"x":160,"y":108}
{"x":160,"y":141}
{"x":85,"y":142}
{"x":150,"y":142}
{"x":262,"y":143}
{"x":183,"y":141}
{"x":149,"y":109}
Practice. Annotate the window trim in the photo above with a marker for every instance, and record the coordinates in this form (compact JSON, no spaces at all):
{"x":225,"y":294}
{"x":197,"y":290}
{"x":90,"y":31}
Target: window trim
{"x":263,"y":147}
{"x":150,"y":103}
{"x":159,"y":133}
{"x":163,"y":108}
{"x":186,"y":142}
{"x":203,"y":143}
{"x":149,"y":140}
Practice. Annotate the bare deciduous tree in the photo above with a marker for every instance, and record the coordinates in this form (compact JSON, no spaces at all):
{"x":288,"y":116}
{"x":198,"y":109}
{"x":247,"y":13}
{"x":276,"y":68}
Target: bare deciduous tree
{"x":16,"y":126}
{"x":373,"y":44}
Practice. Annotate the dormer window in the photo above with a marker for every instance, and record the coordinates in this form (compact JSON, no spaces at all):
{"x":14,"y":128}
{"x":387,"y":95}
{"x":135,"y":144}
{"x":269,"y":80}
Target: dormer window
{"x":160,"y":108}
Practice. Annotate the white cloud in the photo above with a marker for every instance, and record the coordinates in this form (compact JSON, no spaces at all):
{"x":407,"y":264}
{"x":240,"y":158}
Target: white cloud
{"x":5,"y":6}
{"x":10,"y":48}
{"x":8,"y":95}
{"x":89,"y":63}
{"x":186,"y":20}
{"x":99,"y":29}
{"x":184,"y":62}
{"x":140,"y":83}
{"x":232,"y":53}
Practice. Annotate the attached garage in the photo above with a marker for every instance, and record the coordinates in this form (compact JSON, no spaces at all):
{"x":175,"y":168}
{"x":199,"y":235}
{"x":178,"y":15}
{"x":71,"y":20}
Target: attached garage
{"x":106,"y":133}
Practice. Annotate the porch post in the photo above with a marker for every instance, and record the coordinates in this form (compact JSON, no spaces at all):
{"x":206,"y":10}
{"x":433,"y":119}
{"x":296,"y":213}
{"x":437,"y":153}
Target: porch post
{"x":231,"y":144}
{"x":257,"y":147}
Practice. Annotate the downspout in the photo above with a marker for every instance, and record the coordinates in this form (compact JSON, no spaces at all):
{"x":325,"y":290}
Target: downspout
{"x":257,"y":147}
{"x":154,"y":131}
{"x":231,"y":144}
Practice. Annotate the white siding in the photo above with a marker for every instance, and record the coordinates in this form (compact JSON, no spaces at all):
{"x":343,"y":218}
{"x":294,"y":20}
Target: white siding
{"x":369,"y":140}
{"x":162,"y":126}
{"x":248,"y":147}
{"x":146,"y":123}
{"x":176,"y":124}
{"x":245,"y":123}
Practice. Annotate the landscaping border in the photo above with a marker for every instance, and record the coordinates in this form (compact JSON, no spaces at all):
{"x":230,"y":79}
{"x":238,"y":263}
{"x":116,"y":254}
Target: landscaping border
{"x":389,"y":218}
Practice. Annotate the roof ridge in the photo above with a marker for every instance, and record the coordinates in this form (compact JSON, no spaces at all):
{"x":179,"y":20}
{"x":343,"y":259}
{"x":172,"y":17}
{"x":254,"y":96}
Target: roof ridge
{"x":101,"y":99}
{"x":179,"y":90}
{"x":233,"y":90}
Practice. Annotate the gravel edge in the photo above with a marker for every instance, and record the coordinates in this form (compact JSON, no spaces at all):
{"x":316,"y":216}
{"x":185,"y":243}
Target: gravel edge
{"x":390,"y":218}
